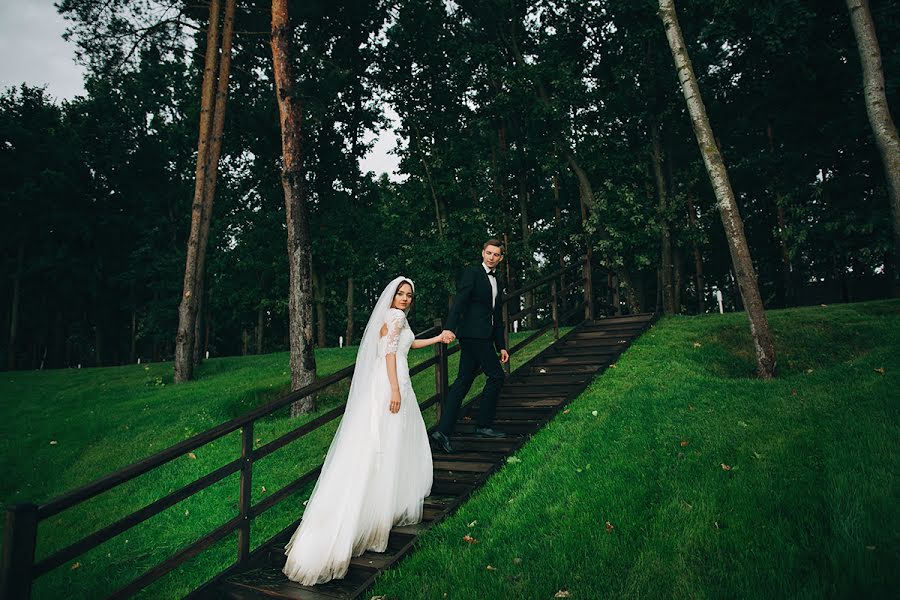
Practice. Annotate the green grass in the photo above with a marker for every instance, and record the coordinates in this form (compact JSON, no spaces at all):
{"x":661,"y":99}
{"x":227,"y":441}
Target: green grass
{"x":63,"y":428}
{"x":808,"y":508}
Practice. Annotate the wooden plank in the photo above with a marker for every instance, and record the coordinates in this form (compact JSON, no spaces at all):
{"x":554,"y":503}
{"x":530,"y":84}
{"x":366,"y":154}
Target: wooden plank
{"x":463,"y":465}
{"x":530,"y":398}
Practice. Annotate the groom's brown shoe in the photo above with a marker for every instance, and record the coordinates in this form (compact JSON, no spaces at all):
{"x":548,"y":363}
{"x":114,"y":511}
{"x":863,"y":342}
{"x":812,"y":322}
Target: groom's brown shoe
{"x":443,"y":441}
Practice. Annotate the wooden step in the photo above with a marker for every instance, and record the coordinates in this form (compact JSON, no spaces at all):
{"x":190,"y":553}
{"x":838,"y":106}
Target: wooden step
{"x":530,"y":398}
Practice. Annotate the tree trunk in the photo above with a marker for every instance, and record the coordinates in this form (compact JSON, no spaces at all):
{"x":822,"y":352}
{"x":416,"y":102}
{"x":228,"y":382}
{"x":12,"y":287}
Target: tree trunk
{"x":527,"y":258}
{"x":879,"y":113}
{"x":132,"y":355}
{"x":557,"y":220}
{"x":348,"y":335}
{"x":14,"y":308}
{"x":260,"y":327}
{"x":678,"y":284}
{"x":698,"y":258}
{"x":632,"y":301}
{"x":665,"y":258}
{"x":212,"y":171}
{"x":187,"y":310}
{"x":319,"y":301}
{"x":303,"y":360}
{"x":718,"y":175}
{"x":786,"y":286}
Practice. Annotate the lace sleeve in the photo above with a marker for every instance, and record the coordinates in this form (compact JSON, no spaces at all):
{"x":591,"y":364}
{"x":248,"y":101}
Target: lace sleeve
{"x":395,"y":321}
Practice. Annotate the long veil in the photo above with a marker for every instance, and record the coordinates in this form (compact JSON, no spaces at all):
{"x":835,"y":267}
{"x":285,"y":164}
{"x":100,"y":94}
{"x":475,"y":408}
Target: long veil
{"x":351,"y":459}
{"x":362,"y":400}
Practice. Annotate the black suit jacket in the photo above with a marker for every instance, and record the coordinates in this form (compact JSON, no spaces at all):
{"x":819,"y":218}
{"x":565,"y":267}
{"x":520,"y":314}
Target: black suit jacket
{"x":471,"y":315}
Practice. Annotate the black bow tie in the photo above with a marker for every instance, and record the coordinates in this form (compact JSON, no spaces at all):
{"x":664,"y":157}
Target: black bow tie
{"x":492,"y":274}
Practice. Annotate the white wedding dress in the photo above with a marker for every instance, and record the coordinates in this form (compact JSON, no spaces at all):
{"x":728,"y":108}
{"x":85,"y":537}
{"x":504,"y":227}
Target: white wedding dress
{"x":378,"y":468}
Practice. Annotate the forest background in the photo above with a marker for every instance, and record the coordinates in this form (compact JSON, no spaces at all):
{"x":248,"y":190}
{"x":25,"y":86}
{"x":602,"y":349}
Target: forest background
{"x":559,"y":125}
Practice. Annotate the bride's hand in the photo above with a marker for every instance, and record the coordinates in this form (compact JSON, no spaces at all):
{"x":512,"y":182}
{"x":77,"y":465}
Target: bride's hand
{"x":395,"y":401}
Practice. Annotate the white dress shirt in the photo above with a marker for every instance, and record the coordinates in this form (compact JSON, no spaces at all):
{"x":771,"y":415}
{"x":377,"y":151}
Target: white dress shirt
{"x":493,"y":282}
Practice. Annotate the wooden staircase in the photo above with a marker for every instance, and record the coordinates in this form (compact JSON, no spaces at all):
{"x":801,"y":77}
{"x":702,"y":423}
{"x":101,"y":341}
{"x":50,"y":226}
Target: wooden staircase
{"x":531,"y":396}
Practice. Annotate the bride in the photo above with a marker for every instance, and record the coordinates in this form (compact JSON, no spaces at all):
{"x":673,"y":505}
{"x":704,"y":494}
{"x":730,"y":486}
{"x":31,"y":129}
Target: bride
{"x":378,"y":468}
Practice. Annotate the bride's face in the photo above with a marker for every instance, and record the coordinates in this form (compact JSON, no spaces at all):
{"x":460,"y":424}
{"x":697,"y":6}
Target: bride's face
{"x":404,"y":297}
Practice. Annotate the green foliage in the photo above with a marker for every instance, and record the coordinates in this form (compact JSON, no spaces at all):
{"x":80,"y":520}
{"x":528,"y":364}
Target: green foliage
{"x":487,"y":97}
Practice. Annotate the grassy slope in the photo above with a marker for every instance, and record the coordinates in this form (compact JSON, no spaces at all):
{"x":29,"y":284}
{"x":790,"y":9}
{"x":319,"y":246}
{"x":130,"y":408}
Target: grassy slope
{"x":808,"y":508}
{"x":104,"y":419}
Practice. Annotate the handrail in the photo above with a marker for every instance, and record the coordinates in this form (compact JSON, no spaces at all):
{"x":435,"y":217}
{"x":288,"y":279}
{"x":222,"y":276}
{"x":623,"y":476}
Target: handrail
{"x":19,"y":568}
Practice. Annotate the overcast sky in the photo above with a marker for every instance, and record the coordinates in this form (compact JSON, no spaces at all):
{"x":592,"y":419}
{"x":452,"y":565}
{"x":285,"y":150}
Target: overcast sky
{"x":32,"y":51}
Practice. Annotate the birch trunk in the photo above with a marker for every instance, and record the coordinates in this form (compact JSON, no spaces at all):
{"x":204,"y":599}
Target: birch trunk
{"x":187,"y":310}
{"x":303,"y":360}
{"x":718,"y":176}
{"x":879,"y":113}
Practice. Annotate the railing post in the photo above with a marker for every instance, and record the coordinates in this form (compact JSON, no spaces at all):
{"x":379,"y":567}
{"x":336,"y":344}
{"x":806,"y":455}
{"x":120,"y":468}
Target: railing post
{"x":554,"y":310}
{"x":506,"y":332}
{"x":246,"y":491}
{"x":19,"y":541}
{"x":588,"y":287}
{"x":441,"y":375}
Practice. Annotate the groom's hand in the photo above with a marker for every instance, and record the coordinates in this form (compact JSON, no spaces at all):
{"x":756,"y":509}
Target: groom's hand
{"x":447,"y":336}
{"x":504,"y":356}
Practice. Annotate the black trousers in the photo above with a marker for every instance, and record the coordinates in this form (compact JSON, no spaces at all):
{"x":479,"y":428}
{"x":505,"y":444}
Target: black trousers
{"x":474,"y":353}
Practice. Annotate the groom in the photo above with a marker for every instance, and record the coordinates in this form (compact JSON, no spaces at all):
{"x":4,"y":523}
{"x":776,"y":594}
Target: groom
{"x":476,"y":319}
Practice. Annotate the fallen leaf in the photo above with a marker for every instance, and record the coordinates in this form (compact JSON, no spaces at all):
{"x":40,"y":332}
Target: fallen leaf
{"x":742,"y":424}
{"x":808,"y":371}
{"x":491,"y":568}
{"x":53,"y":442}
{"x":472,"y":524}
{"x":880,"y":370}
{"x":609,"y":527}
{"x":696,"y":344}
{"x":513,"y":460}
{"x":517,"y":561}
{"x":612,"y":366}
{"x":263,"y":489}
{"x":75,"y":566}
{"x":684,"y":443}
{"x":192,"y":455}
{"x":824,"y":305}
{"x":562,"y":594}
{"x":469,"y":539}
{"x":567,"y":411}
{"x":187,"y":513}
{"x":725,"y":467}
{"x":594,"y":413}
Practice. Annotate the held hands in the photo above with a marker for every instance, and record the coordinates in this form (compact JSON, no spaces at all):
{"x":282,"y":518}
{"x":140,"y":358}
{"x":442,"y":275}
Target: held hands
{"x":447,"y":336}
{"x":395,"y":402}
{"x":504,"y":356}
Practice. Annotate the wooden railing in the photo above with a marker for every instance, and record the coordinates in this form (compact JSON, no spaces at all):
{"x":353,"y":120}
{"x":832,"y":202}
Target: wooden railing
{"x":20,"y":569}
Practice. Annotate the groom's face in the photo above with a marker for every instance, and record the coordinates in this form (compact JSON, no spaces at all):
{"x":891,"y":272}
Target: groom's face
{"x":492,"y":255}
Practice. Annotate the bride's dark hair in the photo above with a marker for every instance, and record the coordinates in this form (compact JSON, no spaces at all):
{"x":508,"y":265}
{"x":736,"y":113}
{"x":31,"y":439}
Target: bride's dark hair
{"x":412,"y":290}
